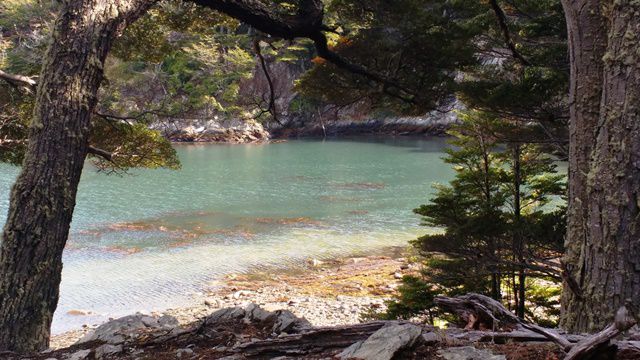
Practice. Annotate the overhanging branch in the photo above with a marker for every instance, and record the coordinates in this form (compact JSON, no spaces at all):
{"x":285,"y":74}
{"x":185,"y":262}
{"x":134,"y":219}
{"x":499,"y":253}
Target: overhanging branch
{"x":306,"y":23}
{"x":101,"y":153}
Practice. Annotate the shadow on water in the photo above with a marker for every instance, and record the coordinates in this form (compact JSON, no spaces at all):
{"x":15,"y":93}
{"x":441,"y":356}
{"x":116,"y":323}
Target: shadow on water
{"x":414,"y":143}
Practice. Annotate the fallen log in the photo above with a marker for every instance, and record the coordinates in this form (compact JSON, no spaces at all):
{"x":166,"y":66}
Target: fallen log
{"x":481,"y":311}
{"x":318,"y":340}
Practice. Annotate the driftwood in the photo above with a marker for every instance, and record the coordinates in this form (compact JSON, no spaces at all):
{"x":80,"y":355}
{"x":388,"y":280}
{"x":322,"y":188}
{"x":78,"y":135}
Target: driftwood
{"x":313,"y":341}
{"x":481,"y":311}
{"x":478,"y":309}
{"x":623,"y":322}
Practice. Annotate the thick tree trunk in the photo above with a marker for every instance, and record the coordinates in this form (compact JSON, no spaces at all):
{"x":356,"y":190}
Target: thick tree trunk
{"x":43,"y":198}
{"x":603,"y":245}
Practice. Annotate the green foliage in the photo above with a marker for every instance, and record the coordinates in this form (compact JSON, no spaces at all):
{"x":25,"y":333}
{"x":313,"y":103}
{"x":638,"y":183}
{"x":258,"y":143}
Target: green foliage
{"x":170,"y":63}
{"x":415,"y":299}
{"x":131,"y":146}
{"x":419,"y":45}
{"x":497,"y":218}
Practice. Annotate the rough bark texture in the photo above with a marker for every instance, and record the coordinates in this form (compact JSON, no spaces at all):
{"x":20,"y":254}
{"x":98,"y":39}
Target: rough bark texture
{"x":603,"y":245}
{"x":43,"y":198}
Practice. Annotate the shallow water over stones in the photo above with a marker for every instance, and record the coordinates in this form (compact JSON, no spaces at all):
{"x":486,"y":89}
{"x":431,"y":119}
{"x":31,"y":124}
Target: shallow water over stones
{"x":150,"y":240}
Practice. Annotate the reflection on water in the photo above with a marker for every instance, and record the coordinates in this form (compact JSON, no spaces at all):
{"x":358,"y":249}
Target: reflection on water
{"x":149,"y":241}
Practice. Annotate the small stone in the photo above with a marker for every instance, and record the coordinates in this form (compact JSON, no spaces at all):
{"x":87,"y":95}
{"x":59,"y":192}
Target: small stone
{"x":397,"y":275}
{"x":184,"y":353}
{"x":77,"y":312}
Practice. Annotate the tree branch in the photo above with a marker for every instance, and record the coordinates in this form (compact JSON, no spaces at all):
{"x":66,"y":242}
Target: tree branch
{"x":101,"y":153}
{"x":586,"y":347}
{"x":19,"y":81}
{"x":306,"y":23}
{"x":272,"y":93}
{"x":502,"y":22}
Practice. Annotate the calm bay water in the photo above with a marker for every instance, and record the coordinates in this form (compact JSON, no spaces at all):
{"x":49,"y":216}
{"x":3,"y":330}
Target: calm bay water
{"x":152,"y":239}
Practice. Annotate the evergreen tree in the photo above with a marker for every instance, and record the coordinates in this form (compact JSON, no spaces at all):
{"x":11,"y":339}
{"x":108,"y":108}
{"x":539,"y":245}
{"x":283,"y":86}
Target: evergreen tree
{"x":501,"y":229}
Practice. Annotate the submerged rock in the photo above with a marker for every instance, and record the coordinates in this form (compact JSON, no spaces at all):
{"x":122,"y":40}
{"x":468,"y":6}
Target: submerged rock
{"x":384,"y":343}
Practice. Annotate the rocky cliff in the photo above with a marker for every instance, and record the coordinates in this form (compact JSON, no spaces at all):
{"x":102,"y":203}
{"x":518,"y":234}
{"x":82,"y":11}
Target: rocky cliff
{"x":291,"y":121}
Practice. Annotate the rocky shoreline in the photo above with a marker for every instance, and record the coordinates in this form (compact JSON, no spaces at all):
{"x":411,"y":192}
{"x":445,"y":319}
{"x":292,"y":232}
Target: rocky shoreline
{"x":326,"y":293}
{"x":378,"y":127}
{"x":319,"y":311}
{"x":248,"y":132}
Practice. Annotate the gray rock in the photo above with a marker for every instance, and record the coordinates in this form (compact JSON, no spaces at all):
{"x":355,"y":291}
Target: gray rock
{"x":289,"y":323}
{"x":468,"y":353}
{"x":107,"y":349}
{"x":79,"y":355}
{"x":226,"y":314}
{"x":430,"y":338}
{"x":125,"y":328}
{"x":384,"y":343}
{"x":254,"y":313}
{"x":168,"y":322}
{"x":186,"y":353}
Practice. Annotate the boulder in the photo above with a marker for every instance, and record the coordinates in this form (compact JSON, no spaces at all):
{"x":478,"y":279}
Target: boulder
{"x":286,"y":321}
{"x":225,"y":315}
{"x":254,"y":313}
{"x":468,"y":353}
{"x":384,"y":343}
{"x":282,"y":320}
{"x":128,"y":327}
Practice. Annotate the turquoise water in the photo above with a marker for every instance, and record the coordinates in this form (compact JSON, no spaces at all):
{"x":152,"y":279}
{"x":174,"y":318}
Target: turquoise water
{"x":152,"y":239}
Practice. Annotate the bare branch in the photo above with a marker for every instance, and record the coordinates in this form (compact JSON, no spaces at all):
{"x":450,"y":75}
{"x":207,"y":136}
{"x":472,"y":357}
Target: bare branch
{"x":272,"y":93}
{"x":502,"y":22}
{"x":19,"y":81}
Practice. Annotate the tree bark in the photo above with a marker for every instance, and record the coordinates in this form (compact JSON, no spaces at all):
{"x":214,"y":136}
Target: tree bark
{"x":603,"y":241}
{"x":43,"y":197}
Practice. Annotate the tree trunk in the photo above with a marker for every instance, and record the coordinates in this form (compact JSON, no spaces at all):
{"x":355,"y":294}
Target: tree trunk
{"x":43,"y":197}
{"x":518,"y":239}
{"x":603,"y":245}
